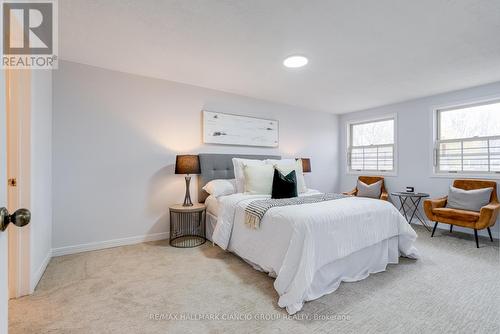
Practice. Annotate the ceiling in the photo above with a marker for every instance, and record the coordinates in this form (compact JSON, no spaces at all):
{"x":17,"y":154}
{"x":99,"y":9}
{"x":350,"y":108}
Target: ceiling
{"x":362,"y":53}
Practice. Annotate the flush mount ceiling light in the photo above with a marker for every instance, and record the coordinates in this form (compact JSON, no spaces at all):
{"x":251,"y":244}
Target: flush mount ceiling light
{"x":295,"y":61}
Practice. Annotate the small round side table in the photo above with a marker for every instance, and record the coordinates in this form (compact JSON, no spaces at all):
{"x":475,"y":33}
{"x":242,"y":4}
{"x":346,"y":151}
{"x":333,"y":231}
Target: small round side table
{"x":187,"y":225}
{"x":411,"y":208}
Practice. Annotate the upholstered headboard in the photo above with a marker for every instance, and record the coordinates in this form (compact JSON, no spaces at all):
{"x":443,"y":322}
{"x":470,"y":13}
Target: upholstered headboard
{"x":220,"y":166}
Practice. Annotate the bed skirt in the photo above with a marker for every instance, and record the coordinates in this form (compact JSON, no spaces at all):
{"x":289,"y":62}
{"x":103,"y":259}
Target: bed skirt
{"x":211,"y":221}
{"x":354,"y":267}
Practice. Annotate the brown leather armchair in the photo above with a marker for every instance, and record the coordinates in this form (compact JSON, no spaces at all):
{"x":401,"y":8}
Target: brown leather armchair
{"x":436,"y":209}
{"x":369,"y":180}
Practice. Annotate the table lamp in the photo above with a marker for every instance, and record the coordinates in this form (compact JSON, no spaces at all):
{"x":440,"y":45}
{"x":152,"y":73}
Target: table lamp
{"x":187,"y":164}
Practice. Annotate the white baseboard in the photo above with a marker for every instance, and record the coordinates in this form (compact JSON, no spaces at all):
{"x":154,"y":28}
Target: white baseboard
{"x":108,"y":244}
{"x":37,"y":276}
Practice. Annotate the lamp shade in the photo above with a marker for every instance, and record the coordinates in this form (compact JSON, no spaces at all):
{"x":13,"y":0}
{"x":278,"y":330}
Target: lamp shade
{"x":306,"y":165}
{"x":187,"y":164}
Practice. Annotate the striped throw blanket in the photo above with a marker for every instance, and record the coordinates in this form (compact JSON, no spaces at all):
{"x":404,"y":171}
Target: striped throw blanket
{"x":256,"y":210}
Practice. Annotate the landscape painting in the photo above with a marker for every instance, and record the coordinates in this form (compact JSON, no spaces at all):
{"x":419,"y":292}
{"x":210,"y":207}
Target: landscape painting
{"x":228,"y":129}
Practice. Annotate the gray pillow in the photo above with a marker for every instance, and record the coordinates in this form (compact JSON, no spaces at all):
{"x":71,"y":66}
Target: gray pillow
{"x":472,"y":200}
{"x":372,"y":191}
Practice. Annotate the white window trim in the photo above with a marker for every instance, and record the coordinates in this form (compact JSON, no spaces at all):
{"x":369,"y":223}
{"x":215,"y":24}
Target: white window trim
{"x":348,"y":143}
{"x":434,"y":138}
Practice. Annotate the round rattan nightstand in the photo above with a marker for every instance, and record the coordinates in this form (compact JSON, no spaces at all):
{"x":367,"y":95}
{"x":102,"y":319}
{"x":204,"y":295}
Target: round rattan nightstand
{"x":187,"y":225}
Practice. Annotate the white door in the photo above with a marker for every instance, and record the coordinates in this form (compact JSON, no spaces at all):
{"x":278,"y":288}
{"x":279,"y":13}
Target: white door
{"x":18,"y":217}
{"x":4,"y":294}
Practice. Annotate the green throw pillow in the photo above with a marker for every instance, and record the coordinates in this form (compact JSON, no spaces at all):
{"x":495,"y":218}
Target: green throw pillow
{"x":284,"y":186}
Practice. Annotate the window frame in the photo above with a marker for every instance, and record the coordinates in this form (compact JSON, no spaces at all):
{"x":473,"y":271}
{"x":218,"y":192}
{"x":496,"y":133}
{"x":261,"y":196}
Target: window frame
{"x":436,"y":110}
{"x":379,"y":118}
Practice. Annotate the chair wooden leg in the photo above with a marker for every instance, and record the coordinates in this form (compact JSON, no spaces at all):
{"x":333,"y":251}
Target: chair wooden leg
{"x":451,"y":228}
{"x":489,"y":232}
{"x":434,"y":229}
{"x":477,"y":240}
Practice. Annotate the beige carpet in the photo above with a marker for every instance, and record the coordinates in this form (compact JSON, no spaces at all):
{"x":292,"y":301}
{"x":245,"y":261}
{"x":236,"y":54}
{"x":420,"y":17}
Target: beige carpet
{"x":454,"y":288}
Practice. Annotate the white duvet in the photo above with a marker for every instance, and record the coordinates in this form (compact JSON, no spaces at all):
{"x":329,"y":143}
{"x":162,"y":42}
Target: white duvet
{"x":296,"y":244}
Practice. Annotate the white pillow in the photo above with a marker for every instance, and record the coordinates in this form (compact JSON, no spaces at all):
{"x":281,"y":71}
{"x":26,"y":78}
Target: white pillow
{"x":258,"y":179}
{"x":220,"y":187}
{"x":295,"y":165}
{"x":280,"y":162}
{"x":238,"y":164}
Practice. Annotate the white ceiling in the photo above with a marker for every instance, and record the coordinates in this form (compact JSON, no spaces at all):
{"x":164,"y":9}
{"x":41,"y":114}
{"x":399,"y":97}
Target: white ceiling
{"x":362,"y":53}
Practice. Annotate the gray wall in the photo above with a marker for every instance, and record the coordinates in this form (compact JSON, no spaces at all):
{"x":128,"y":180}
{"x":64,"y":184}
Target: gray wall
{"x":414,"y":137}
{"x":41,"y":174}
{"x":115,"y":137}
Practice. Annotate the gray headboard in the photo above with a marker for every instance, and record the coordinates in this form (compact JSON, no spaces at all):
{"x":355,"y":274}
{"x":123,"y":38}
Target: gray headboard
{"x":220,"y":166}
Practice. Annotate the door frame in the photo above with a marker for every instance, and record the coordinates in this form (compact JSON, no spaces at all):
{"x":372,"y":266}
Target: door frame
{"x":18,"y":110}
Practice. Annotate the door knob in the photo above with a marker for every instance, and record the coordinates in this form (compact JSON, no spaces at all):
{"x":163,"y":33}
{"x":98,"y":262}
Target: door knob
{"x":19,"y":218}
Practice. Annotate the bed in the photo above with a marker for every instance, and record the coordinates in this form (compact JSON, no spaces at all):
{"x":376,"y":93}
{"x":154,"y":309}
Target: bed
{"x":310,"y":248}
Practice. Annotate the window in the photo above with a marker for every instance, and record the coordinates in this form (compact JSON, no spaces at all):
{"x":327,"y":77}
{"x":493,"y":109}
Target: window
{"x":371,"y":146}
{"x":468,"y":139}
